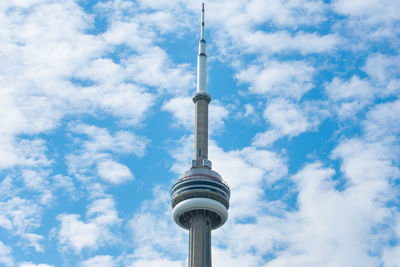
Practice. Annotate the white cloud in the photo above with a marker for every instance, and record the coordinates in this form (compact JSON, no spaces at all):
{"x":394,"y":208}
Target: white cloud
{"x":287,"y":79}
{"x":367,"y":23}
{"x":365,"y":162}
{"x":391,"y":256}
{"x":99,"y":261}
{"x":35,"y":240}
{"x":32,"y":152}
{"x":384,"y":72}
{"x":98,"y":151}
{"x":236,"y":16}
{"x":355,"y":88}
{"x":37,"y":182}
{"x":218,"y":112}
{"x":127,"y":101}
{"x":283,"y":41}
{"x":350,"y":97}
{"x":102,"y":140}
{"x":286,"y":13}
{"x":18,"y":214}
{"x":128,"y":33}
{"x":30,"y":264}
{"x":64,"y":182}
{"x":44,"y":24}
{"x":270,"y":162}
{"x":163,"y":4}
{"x":156,"y":15}
{"x":163,"y":21}
{"x":154,"y":62}
{"x":24,"y":111}
{"x":157,"y":240}
{"x":182,"y":111}
{"x":26,"y":3}
{"x":383,"y":121}
{"x":153,"y":227}
{"x":244,"y":27}
{"x":373,"y":11}
{"x":6,"y":187}
{"x":224,"y":257}
{"x":10,"y":114}
{"x":156,"y":262}
{"x":114,"y":172}
{"x":93,"y":234}
{"x":266,"y":138}
{"x":103,"y":71}
{"x":249,"y":110}
{"x":289,"y":119}
{"x":5,"y":255}
{"x":22,"y":152}
{"x":382,"y":67}
{"x":103,"y":212}
{"x":182,"y":154}
{"x":20,"y":217}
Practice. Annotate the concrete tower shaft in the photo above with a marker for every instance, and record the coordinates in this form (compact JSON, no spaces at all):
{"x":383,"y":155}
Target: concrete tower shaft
{"x":201,"y":133}
{"x":200,"y":198}
{"x":200,"y":240}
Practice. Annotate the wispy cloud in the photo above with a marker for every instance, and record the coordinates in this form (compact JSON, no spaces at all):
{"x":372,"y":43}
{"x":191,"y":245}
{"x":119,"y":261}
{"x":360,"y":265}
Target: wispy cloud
{"x":5,"y":255}
{"x":99,"y":261}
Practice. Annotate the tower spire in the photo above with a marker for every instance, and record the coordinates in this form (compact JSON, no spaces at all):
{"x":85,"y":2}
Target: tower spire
{"x":202,"y":58}
{"x":202,"y":22}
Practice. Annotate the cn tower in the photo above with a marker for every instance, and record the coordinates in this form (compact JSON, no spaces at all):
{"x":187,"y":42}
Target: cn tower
{"x":200,"y":198}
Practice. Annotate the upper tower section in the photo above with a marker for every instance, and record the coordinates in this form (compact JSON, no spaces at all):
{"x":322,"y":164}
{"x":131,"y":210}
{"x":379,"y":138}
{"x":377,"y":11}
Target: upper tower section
{"x":200,"y":199}
{"x":202,"y":59}
{"x":201,"y":100}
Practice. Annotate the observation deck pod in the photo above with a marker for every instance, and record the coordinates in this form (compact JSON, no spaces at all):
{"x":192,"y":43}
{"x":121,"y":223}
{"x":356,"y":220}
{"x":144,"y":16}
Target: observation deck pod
{"x":200,"y":189}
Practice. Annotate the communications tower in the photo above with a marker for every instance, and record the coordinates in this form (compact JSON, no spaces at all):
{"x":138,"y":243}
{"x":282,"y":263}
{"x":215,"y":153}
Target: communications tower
{"x":200,"y":198}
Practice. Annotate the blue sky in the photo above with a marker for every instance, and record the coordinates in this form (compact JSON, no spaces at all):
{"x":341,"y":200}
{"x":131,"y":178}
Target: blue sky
{"x":96,"y":124}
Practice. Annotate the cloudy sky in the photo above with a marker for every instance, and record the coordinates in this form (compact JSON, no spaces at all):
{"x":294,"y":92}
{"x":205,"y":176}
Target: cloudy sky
{"x":96,"y":124}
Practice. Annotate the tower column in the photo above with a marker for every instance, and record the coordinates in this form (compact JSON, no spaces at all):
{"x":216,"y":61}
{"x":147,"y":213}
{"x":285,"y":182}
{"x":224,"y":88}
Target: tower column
{"x":200,"y":240}
{"x":200,"y":198}
{"x":201,"y":132}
